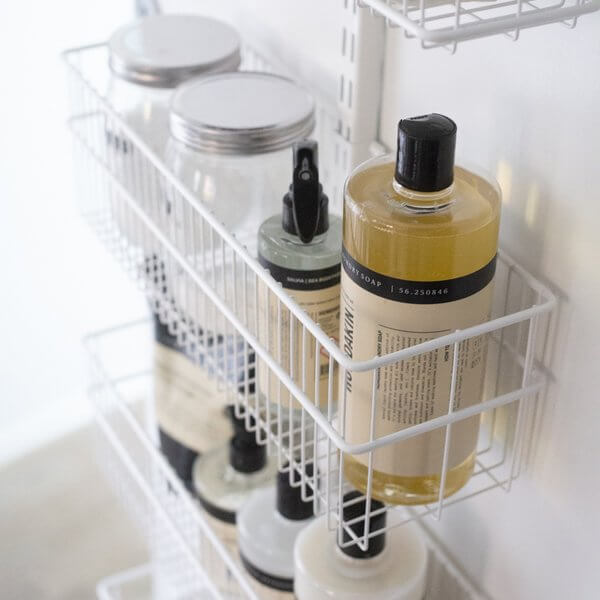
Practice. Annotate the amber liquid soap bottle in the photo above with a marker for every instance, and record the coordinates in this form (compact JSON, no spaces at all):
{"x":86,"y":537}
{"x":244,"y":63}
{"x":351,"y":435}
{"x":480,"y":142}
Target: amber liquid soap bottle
{"x":420,"y":239}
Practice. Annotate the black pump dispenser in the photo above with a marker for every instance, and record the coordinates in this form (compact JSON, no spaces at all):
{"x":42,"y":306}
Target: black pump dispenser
{"x":245,"y":454}
{"x":425,"y":153}
{"x":305,"y":206}
{"x":376,"y":523}
{"x":289,"y":499}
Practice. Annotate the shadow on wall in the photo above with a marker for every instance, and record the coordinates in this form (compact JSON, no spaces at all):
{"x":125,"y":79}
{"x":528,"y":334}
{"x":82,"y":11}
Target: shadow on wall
{"x":476,"y":539}
{"x":525,"y":209}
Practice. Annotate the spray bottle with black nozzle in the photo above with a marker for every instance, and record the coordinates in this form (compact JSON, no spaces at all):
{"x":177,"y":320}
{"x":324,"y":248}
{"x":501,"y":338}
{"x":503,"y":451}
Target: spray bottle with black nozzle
{"x":301,"y":248}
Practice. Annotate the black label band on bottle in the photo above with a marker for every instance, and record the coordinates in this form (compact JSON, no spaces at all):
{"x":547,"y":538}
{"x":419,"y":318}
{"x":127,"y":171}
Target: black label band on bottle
{"x":417,"y":292}
{"x":272,"y":581}
{"x":295,"y":279}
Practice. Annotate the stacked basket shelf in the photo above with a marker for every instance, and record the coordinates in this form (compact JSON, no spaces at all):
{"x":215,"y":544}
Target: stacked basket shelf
{"x":225,"y":283}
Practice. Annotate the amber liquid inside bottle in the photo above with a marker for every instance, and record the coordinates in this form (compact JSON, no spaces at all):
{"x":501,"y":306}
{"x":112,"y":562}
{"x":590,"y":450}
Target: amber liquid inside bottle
{"x":419,"y":237}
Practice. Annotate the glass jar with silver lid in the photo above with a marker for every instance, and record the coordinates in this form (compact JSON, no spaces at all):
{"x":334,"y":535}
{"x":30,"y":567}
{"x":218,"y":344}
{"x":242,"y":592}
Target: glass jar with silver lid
{"x":230,"y":145}
{"x":150,"y":57}
{"x":231,"y":139}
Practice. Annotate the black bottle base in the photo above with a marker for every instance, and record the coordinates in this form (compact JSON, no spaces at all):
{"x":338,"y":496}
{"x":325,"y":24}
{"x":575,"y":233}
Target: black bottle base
{"x":272,"y":581}
{"x":217,"y":512}
{"x":180,"y":457}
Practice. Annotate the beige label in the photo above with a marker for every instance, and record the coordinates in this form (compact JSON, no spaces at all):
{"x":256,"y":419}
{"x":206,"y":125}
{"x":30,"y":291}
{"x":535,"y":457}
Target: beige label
{"x":414,"y":390}
{"x":188,"y":405}
{"x":323,"y":307}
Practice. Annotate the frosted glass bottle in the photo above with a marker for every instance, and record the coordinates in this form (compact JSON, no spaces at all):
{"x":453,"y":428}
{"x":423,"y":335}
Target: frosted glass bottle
{"x":301,"y":247}
{"x":394,"y":567}
{"x":224,"y":478}
{"x":419,"y":257}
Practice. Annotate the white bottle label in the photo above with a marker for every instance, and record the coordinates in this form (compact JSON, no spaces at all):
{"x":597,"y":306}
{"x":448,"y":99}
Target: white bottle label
{"x":380,"y":315}
{"x":318,"y":293}
{"x":188,"y":404}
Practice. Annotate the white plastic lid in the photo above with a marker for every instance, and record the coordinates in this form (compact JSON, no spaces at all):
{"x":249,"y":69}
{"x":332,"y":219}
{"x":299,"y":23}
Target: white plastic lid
{"x":241,"y":113}
{"x":164,"y":50}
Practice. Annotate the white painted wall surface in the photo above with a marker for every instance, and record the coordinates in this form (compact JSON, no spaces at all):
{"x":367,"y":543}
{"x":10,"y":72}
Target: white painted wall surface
{"x":529,"y":112}
{"x":58,"y":283}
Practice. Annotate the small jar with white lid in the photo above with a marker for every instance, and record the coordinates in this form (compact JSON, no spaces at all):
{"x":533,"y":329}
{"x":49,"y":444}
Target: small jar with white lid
{"x":394,"y":566}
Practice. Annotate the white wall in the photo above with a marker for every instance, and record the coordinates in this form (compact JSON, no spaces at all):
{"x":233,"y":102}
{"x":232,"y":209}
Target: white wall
{"x":529,"y":112}
{"x":57,"y":282}
{"x":288,"y":30}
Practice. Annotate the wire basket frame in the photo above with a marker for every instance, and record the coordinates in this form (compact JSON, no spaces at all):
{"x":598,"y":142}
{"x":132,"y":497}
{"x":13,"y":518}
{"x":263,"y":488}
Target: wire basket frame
{"x":186,"y":561}
{"x":188,"y":558}
{"x":445,"y":23}
{"x":240,"y":325}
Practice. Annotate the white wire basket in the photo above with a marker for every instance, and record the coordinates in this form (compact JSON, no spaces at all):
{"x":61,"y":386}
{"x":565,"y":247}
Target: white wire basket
{"x":209,"y":270}
{"x":188,"y":559}
{"x":446,"y":23}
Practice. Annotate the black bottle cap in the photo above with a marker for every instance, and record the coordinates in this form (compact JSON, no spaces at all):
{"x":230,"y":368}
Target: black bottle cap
{"x":246,"y":455}
{"x":376,"y":522}
{"x":239,"y":425}
{"x":425,"y":155}
{"x":305,"y":206}
{"x":289,"y":499}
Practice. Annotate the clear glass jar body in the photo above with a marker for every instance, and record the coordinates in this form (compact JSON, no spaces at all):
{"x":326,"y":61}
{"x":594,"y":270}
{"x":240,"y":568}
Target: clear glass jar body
{"x":241,"y":190}
{"x":434,"y":255}
{"x":144,"y":108}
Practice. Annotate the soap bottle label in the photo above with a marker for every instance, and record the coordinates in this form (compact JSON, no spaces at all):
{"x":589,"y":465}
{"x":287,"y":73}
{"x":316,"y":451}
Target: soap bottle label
{"x":318,"y":293}
{"x":188,"y":404}
{"x":382,"y":314}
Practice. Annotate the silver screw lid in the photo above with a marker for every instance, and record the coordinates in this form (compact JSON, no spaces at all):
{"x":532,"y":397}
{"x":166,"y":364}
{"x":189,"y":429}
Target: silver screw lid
{"x":164,"y":50}
{"x":241,"y":113}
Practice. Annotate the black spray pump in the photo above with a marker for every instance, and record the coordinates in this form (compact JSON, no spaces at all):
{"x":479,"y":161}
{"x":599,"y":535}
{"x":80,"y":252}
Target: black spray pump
{"x":305,"y":206}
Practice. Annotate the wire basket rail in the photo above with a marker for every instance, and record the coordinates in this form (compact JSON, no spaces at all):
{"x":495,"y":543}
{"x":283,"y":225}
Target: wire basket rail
{"x":235,"y":321}
{"x":446,"y":23}
{"x":188,"y":559}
